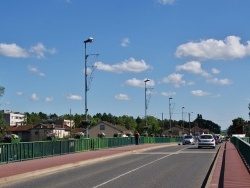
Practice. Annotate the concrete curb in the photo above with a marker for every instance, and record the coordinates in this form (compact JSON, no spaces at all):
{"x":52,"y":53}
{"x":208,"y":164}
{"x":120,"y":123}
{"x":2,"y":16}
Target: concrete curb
{"x":213,"y":180}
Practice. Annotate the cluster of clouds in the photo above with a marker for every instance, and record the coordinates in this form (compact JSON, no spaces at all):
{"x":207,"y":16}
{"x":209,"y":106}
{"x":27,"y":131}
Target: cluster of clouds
{"x":15,"y":51}
{"x":211,"y":49}
{"x":197,"y":52}
{"x":34,"y":97}
{"x":207,"y":50}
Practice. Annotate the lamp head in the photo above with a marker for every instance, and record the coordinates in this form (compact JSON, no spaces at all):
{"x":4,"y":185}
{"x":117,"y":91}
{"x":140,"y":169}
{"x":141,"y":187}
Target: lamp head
{"x":89,"y":40}
{"x":146,"y":80}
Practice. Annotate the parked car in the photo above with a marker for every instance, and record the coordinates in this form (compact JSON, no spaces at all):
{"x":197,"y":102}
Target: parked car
{"x":188,"y":139}
{"x":206,"y":140}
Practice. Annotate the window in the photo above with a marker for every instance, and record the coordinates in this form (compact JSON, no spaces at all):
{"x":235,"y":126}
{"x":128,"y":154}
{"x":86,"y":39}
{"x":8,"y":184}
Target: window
{"x":102,"y":127}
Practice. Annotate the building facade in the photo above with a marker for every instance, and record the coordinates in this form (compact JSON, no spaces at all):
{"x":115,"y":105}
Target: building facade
{"x":14,"y":118}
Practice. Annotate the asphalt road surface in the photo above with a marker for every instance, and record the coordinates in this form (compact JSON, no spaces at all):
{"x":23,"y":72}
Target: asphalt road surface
{"x":172,"y":166}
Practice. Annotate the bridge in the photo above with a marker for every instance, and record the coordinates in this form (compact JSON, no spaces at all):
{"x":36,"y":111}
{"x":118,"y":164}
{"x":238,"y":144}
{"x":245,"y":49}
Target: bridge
{"x":230,"y":167}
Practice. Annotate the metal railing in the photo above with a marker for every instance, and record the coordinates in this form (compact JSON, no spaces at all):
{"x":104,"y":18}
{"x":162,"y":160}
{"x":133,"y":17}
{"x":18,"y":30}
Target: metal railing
{"x":12,"y":152}
{"x":243,"y":147}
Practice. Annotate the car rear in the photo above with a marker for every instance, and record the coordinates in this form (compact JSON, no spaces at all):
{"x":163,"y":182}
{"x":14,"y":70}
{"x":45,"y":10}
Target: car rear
{"x":206,"y":140}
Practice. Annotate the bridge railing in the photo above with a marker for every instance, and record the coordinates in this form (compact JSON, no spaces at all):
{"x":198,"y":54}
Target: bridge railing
{"x":12,"y":152}
{"x":243,"y":147}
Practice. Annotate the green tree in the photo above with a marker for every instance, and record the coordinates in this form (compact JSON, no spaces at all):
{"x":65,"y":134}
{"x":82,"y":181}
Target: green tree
{"x":1,"y":91}
{"x":3,"y":125}
{"x":236,"y":122}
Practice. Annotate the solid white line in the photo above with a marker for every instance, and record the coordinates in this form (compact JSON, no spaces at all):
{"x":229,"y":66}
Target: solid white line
{"x":130,"y":171}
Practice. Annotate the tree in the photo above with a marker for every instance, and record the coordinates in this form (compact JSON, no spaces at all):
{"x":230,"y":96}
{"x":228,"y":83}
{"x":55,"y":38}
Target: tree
{"x":3,"y":125}
{"x":236,"y":122}
{"x":1,"y":91}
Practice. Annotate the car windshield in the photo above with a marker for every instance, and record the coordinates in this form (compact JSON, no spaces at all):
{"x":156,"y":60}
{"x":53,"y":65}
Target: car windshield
{"x":189,"y":137}
{"x":206,"y":137}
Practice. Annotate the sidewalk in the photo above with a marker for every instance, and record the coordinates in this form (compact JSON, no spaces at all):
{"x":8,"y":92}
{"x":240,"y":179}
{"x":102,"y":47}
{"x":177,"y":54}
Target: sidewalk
{"x":229,"y":169}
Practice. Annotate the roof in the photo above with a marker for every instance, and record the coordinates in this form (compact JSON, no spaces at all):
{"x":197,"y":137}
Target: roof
{"x":119,"y":128}
{"x":20,"y":128}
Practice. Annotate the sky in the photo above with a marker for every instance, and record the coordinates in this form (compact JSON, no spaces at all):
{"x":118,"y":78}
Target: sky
{"x":195,"y":52}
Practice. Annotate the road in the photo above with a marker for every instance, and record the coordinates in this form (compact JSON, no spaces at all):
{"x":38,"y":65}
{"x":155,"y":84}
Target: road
{"x":172,"y":166}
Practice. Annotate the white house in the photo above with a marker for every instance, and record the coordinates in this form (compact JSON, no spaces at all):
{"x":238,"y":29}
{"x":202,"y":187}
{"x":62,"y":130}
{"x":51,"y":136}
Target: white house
{"x":14,"y":118}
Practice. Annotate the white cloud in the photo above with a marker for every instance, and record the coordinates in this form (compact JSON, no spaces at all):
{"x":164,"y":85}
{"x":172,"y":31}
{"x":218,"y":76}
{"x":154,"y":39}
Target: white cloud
{"x":165,"y":2}
{"x":39,"y":50}
{"x":49,"y":99}
{"x":34,"y":97}
{"x":35,"y":70}
{"x":125,"y":42}
{"x":190,"y":83}
{"x":192,"y":67}
{"x":139,"y":83}
{"x":199,"y":93}
{"x":73,"y":97}
{"x":229,"y":48}
{"x":215,"y":71}
{"x":175,"y":79}
{"x":219,"y":81}
{"x":19,"y":93}
{"x":12,"y":50}
{"x":130,"y":65}
{"x":122,"y":97}
{"x":168,"y":94}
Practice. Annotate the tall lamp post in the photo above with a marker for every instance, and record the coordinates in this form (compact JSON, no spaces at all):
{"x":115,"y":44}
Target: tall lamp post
{"x":89,"y":40}
{"x":182,"y":121}
{"x":146,"y":106}
{"x":189,"y":122}
{"x":170,"y":126}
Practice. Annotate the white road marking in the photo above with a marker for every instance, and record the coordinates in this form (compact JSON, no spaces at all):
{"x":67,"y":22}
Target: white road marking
{"x":169,"y":154}
{"x":130,"y":171}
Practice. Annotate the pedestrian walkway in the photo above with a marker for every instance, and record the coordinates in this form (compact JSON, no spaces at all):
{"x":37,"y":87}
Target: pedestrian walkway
{"x":229,"y":170}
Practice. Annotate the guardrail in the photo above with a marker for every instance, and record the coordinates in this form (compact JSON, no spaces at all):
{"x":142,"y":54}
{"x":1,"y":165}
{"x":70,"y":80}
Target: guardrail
{"x":243,"y":147}
{"x":12,"y":152}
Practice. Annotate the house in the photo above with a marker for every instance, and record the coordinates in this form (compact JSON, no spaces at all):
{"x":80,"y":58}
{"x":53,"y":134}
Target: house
{"x":38,"y":132}
{"x":65,"y":122}
{"x":107,"y":129}
{"x":197,"y":131}
{"x":22,"y":131}
{"x":14,"y":118}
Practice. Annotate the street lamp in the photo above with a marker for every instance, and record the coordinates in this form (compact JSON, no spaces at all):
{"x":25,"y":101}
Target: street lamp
{"x":89,"y":40}
{"x":182,"y":121}
{"x":170,"y":114}
{"x":146,"y":107}
{"x":189,"y":122}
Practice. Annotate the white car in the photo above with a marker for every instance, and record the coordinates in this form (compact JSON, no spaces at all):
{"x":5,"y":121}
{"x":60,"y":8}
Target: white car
{"x":206,"y":140}
{"x":188,"y":139}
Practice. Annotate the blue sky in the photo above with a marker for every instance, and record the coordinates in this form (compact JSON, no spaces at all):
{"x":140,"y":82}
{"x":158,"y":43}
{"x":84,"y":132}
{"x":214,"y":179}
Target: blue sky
{"x":196,"y":52}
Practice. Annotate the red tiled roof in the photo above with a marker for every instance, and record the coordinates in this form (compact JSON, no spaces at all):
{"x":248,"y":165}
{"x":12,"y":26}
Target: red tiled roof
{"x":20,"y":128}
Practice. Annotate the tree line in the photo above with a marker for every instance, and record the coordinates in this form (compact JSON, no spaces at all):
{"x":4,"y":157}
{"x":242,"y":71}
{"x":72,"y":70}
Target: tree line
{"x":155,"y":126}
